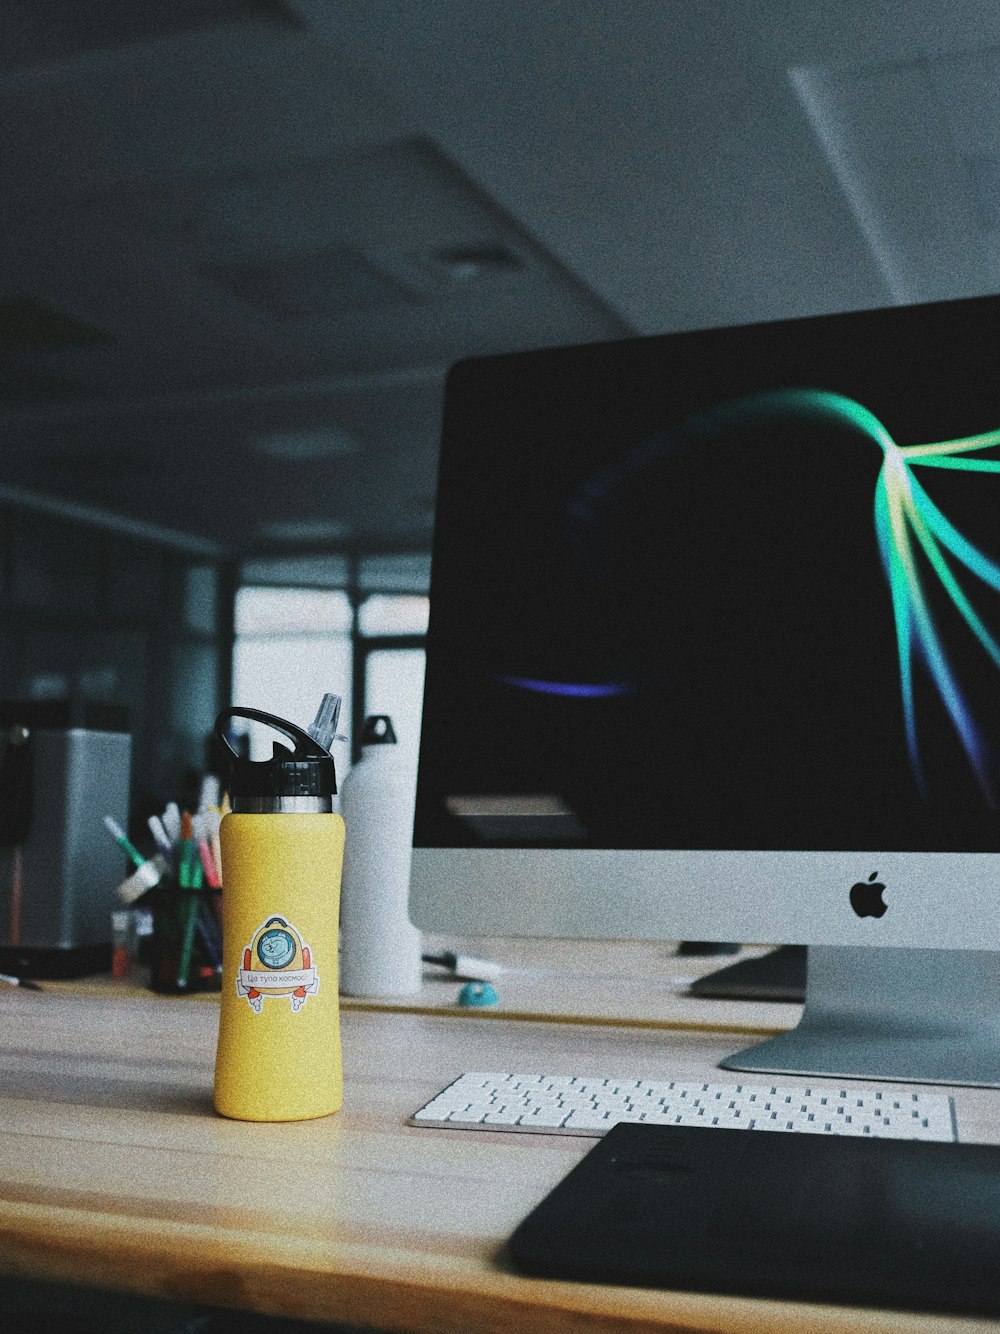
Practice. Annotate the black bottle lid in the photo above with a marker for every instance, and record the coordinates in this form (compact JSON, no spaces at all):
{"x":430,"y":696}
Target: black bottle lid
{"x":378,"y":731}
{"x":306,"y":771}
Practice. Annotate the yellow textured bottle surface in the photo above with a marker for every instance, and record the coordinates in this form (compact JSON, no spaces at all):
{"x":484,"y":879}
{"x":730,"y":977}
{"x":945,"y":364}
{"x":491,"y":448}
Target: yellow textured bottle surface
{"x":278,"y":1055}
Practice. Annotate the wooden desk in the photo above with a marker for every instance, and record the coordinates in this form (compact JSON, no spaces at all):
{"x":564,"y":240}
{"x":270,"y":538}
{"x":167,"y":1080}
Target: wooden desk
{"x":115,"y":1172}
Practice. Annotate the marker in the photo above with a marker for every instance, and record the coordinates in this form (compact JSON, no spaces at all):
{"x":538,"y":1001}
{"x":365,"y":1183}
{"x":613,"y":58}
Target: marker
{"x":466,"y":966}
{"x":118,"y":834}
{"x":187,"y":856}
{"x":147,"y":877}
{"x":199,"y":830}
{"x":160,"y":835}
{"x":148,"y":873}
{"x":172,"y":821}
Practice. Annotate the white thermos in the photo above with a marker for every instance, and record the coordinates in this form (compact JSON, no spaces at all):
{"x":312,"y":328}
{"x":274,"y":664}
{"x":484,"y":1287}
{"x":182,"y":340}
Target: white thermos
{"x":379,"y":945}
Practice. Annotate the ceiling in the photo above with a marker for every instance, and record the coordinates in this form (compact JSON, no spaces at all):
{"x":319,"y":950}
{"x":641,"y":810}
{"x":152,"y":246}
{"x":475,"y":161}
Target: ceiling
{"x":245,"y":238}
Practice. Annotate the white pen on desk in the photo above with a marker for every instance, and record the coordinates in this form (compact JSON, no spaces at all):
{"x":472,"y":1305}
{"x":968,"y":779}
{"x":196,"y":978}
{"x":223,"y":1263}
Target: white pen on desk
{"x":19,"y":982}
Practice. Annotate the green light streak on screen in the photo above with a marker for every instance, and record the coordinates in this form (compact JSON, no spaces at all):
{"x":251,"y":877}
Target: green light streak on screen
{"x":907,"y":519}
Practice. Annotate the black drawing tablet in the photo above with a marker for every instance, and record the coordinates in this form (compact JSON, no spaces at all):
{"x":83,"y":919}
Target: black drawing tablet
{"x":824,"y":1218}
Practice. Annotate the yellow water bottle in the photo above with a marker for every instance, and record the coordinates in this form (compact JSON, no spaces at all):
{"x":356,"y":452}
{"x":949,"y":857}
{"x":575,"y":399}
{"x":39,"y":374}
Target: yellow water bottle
{"x":278,"y":1056}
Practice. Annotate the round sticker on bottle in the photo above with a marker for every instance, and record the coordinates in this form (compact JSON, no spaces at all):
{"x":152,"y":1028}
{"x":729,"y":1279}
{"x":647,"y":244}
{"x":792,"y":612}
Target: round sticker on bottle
{"x":277,"y":963}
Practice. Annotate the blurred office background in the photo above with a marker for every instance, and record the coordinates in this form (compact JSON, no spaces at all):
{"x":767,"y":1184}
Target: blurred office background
{"x":244,"y":240}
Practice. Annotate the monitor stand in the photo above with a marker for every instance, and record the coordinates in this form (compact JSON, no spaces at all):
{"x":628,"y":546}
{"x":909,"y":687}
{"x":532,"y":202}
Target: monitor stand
{"x":926,"y":1016}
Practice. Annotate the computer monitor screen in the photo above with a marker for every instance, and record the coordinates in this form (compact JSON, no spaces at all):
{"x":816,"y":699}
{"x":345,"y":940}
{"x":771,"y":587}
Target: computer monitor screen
{"x":715,"y":637}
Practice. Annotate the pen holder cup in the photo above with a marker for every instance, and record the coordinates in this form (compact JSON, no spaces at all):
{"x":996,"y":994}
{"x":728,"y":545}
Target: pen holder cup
{"x":187,"y":939}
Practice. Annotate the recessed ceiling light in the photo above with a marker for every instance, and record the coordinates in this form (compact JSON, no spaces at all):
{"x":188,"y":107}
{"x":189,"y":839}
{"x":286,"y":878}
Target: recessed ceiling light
{"x":303,"y":530}
{"x":457,"y":266}
{"x":307,"y":446}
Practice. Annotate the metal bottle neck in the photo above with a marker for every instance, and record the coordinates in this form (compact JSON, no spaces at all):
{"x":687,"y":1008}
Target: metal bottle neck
{"x":282,"y":805}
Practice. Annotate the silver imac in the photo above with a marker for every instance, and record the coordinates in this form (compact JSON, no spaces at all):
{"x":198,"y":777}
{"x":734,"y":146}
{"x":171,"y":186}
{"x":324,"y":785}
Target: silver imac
{"x":714,"y":653}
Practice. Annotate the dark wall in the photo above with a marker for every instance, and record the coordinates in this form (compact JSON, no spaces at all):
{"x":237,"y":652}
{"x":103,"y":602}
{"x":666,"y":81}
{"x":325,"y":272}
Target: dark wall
{"x":94,"y":615}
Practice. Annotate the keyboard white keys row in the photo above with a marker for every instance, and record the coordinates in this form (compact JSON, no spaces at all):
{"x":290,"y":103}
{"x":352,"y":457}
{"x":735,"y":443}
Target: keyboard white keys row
{"x":591,"y":1105}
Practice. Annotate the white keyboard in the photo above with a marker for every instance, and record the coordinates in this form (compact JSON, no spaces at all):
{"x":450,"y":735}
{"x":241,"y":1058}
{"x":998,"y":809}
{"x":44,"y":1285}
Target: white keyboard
{"x":591,"y":1105}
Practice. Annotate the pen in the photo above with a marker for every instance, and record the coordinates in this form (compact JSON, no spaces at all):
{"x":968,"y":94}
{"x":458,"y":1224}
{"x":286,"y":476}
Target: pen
{"x":465,"y":965}
{"x":118,"y":834}
{"x":140,"y":882}
{"x":19,"y":982}
{"x":186,"y":855}
{"x":171,"y":819}
{"x":160,"y":835}
{"x":147,"y":873}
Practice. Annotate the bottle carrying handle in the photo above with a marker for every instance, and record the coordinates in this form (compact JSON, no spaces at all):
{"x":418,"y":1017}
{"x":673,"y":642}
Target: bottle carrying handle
{"x":306,"y":746}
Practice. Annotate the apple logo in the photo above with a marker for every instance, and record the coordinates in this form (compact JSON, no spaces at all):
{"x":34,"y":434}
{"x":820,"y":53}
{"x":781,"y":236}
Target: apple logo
{"x":866,"y":897}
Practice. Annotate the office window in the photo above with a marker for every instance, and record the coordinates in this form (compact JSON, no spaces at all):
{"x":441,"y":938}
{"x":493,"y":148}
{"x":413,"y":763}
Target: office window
{"x":266,"y":611}
{"x":394,"y":684}
{"x":393,"y":614}
{"x":292,"y":646}
{"x":392,"y":634}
